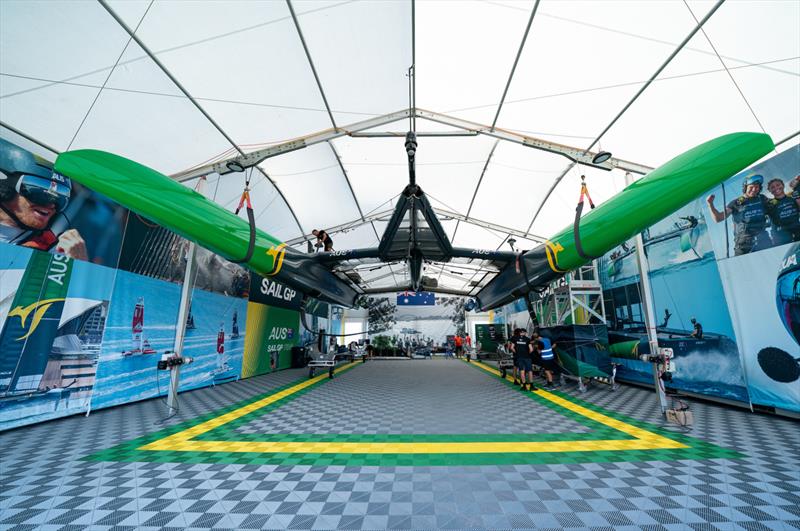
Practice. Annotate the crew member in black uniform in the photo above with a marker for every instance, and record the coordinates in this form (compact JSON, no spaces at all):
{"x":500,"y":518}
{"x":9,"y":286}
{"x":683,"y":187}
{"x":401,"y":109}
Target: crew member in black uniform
{"x":323,"y":239}
{"x":784,"y":213}
{"x":523,"y":349}
{"x":697,"y":333}
{"x":749,"y":212}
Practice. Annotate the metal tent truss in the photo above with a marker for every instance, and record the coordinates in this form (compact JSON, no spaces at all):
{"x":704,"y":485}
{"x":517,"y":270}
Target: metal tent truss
{"x":166,"y":71}
{"x":574,"y":154}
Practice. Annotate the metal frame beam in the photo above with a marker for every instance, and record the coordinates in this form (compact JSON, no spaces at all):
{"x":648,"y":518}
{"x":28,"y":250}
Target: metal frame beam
{"x":448,"y":214}
{"x":666,"y":62}
{"x":407,"y":287}
{"x":29,"y":138}
{"x":310,"y":61}
{"x":578,"y":155}
{"x":399,"y":134}
{"x":516,"y":60}
{"x":255,"y":157}
{"x":477,"y":186}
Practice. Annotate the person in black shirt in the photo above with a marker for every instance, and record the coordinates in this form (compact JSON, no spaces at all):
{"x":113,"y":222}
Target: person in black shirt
{"x":510,"y":347}
{"x":523,"y":349}
{"x":697,"y":333}
{"x":784,"y":212}
{"x":749,"y":213}
{"x":323,"y":239}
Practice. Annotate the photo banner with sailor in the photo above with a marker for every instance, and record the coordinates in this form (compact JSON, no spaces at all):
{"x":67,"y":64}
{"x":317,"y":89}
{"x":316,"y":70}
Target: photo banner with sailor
{"x":762,"y":286}
{"x":44,"y":210}
{"x":713,"y":269}
{"x":683,"y":278}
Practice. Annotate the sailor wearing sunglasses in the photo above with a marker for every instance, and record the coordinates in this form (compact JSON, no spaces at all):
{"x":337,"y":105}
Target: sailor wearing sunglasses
{"x":31,"y":195}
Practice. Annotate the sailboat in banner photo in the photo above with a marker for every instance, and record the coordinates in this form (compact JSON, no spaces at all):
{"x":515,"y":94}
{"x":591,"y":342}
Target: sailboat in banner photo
{"x":224,"y":373}
{"x":190,"y":320}
{"x":140,"y":343}
{"x":235,"y":325}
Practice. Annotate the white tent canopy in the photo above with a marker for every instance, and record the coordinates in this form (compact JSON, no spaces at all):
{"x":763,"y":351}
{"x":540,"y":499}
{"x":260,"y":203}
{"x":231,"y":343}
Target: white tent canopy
{"x":176,"y":85}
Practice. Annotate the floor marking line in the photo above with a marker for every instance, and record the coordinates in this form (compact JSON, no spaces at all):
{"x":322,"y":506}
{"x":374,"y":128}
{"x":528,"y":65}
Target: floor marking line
{"x":194,"y":431}
{"x":183,"y":441}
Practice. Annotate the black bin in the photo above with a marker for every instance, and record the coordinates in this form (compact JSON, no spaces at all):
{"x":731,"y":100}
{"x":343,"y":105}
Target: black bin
{"x":299,"y":357}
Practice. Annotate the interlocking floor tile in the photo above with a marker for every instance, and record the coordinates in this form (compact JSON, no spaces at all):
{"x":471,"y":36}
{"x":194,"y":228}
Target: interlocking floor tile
{"x":741,"y":473}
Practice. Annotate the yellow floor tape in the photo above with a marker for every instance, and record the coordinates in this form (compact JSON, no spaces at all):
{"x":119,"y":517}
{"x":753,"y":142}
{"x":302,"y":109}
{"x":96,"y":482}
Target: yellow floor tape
{"x":183,"y":441}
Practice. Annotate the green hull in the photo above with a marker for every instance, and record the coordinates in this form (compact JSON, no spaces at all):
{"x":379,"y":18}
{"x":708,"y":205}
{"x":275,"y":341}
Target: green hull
{"x":189,"y":214}
{"x":643,"y":203}
{"x":624,"y":349}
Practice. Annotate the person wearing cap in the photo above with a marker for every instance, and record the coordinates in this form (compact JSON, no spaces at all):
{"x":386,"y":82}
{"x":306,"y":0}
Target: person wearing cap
{"x":749,"y":213}
{"x":697,"y":333}
{"x":31,"y":195}
{"x":784,"y":213}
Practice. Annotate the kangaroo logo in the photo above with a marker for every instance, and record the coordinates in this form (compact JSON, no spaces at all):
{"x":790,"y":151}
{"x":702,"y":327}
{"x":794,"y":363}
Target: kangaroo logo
{"x":38,"y":308}
{"x":277,"y":254}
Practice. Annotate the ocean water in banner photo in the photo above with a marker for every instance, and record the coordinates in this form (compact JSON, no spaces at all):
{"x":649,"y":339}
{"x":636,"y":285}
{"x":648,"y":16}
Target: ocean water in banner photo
{"x":140,"y":327}
{"x":215,"y":333}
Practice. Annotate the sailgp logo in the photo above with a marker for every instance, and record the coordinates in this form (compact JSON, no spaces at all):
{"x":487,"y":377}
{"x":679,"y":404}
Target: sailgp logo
{"x":277,"y":254}
{"x":38,"y":308}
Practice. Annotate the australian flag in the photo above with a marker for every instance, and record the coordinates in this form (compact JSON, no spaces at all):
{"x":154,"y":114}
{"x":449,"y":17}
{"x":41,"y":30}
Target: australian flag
{"x":422,"y":298}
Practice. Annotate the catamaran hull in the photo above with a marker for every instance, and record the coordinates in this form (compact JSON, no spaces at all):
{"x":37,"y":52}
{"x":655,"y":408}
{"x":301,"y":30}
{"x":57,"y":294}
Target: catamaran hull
{"x":189,"y":214}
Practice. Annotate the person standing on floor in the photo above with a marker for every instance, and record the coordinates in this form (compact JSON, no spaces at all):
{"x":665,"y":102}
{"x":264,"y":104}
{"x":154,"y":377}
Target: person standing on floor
{"x":459,"y":345}
{"x":548,"y":358}
{"x":523,"y":349}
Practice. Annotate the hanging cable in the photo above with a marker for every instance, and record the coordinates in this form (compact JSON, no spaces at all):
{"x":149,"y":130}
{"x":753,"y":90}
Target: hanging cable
{"x":245,"y":199}
{"x":577,"y":225}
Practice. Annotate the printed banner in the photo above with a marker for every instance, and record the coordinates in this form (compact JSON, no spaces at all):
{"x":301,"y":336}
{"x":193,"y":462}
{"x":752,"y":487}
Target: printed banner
{"x":140,"y":328}
{"x":765,"y":304}
{"x":419,"y":323}
{"x":421,"y":298}
{"x":69,"y":219}
{"x":272,"y":293}
{"x":151,"y":250}
{"x":215,"y":339}
{"x":52,"y":316}
{"x":272,"y":334}
{"x":758,"y":208}
{"x":683,"y":278}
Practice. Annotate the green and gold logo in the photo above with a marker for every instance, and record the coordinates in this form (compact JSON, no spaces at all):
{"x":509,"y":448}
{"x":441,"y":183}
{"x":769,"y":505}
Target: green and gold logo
{"x":38,"y":308}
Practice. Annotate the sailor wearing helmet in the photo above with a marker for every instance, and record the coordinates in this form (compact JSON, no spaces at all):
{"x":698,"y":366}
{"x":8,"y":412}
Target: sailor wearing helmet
{"x":31,"y":195}
{"x":749,"y":213}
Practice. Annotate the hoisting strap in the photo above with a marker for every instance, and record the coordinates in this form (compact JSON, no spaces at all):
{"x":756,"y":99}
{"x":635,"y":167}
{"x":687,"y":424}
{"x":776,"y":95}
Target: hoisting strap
{"x":577,"y":225}
{"x":251,"y":218}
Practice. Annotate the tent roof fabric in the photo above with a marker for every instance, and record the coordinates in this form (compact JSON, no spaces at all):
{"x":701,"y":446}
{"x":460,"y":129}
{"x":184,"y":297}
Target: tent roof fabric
{"x":179,"y":85}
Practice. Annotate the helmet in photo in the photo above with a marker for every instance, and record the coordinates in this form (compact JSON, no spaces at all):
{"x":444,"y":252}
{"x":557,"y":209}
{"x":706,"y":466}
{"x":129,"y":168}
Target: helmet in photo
{"x":754,"y":179}
{"x":788,"y":291}
{"x":22,"y":172}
